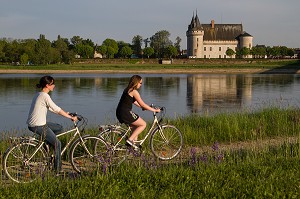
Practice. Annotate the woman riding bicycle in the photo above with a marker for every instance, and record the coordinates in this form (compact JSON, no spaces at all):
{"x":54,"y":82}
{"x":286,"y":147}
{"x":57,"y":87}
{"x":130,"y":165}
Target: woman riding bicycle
{"x":37,"y":116}
{"x":124,"y":111}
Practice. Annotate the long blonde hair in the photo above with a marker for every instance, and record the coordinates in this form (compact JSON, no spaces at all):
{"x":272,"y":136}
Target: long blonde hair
{"x":133,"y":82}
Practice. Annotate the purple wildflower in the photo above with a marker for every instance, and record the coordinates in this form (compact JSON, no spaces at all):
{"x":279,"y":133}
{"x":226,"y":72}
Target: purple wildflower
{"x":219,"y":158}
{"x":193,"y":160}
{"x":215,"y":146}
{"x":203,"y":158}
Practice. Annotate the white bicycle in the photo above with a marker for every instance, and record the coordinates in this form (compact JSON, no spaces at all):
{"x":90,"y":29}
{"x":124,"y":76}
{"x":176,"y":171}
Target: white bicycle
{"x":29,"y":158}
{"x":166,"y":140}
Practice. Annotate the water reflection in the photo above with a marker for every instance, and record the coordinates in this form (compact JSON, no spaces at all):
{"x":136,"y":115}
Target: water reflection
{"x":96,"y":95}
{"x":217,"y":92}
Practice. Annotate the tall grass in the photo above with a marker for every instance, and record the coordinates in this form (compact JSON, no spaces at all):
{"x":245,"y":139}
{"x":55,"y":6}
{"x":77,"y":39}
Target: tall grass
{"x":233,"y":127}
{"x":269,"y":172}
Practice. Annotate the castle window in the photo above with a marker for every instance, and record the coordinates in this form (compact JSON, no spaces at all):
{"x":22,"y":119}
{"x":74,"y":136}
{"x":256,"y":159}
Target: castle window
{"x":210,"y":48}
{"x":204,"y":48}
{"x":204,"y":56}
{"x":220,"y":56}
{"x":220,"y":48}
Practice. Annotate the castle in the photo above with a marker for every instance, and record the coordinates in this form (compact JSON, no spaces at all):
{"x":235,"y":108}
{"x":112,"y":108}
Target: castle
{"x":213,"y":40}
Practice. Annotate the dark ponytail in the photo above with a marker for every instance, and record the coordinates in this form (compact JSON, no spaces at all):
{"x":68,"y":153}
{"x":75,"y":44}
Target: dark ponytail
{"x":44,"y":81}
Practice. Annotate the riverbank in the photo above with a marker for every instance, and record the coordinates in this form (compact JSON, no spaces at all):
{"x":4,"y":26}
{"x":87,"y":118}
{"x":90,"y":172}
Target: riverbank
{"x":158,"y":71}
{"x":179,"y":66}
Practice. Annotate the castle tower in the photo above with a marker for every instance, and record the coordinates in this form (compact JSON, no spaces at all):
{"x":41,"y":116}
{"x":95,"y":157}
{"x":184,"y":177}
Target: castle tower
{"x":194,"y":35}
{"x":245,"y":40}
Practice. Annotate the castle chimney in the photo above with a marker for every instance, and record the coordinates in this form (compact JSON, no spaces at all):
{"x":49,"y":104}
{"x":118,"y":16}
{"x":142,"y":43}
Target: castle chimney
{"x":212,"y":23}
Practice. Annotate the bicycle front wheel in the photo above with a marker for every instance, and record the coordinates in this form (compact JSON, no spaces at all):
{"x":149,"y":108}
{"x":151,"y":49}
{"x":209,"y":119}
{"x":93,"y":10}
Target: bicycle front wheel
{"x":19,"y":168}
{"x":88,"y":155}
{"x":166,"y":143}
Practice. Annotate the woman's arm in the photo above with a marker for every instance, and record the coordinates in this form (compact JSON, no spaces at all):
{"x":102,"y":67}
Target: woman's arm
{"x":140,"y":103}
{"x":65,"y":114}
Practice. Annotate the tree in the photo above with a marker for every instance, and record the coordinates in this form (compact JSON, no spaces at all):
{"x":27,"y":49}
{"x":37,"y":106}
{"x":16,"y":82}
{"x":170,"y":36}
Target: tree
{"x":102,"y":49}
{"x":110,"y":52}
{"x":160,"y":41}
{"x":148,"y":51}
{"x":258,"y":51}
{"x":171,"y":51}
{"x":229,"y":52}
{"x":121,"y":44}
{"x":290,"y":52}
{"x":84,"y":50}
{"x":177,"y":44}
{"x":12,"y":51}
{"x":126,"y":51}
{"x":76,"y":40}
{"x":28,"y":47}
{"x":2,"y":53}
{"x":61,"y":45}
{"x":137,"y":45}
{"x":42,"y":51}
{"x":24,"y":59}
{"x":112,"y":47}
{"x":244,"y":52}
{"x":275,"y":51}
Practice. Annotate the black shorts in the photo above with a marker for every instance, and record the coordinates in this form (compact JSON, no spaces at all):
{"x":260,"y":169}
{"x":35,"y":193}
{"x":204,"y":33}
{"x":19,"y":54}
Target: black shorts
{"x":127,"y":117}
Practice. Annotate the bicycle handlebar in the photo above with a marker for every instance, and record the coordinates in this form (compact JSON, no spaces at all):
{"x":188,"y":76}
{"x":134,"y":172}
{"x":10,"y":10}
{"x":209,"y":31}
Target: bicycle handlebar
{"x":79,"y":117}
{"x":162,"y":111}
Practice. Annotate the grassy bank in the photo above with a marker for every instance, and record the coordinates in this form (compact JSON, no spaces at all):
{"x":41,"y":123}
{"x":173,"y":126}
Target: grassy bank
{"x":271,"y":171}
{"x":131,"y":64}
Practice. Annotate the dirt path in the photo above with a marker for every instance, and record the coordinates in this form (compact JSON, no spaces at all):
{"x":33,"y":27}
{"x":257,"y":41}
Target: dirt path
{"x":255,"y":145}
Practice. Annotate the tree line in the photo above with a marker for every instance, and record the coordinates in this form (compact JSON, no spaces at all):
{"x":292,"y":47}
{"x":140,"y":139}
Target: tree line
{"x":261,"y":51}
{"x":41,"y":51}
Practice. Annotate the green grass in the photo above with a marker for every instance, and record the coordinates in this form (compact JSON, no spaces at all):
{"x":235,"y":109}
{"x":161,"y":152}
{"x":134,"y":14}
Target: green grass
{"x":271,"y":171}
{"x":153,"y":65}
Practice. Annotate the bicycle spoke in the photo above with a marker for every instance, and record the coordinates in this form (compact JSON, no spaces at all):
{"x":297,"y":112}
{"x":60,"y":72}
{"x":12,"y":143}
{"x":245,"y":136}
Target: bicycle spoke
{"x":87,"y":156}
{"x":17,"y":166}
{"x":166,"y":143}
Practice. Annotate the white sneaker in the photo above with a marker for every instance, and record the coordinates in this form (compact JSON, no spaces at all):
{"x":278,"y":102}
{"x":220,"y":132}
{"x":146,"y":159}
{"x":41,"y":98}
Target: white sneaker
{"x":131,"y":143}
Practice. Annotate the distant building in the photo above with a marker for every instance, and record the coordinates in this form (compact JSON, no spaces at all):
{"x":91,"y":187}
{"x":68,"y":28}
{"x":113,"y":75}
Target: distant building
{"x":97,"y":55}
{"x":213,"y":40}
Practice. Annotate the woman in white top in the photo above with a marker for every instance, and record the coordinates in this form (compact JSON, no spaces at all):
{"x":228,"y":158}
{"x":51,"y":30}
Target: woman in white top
{"x":37,"y":117}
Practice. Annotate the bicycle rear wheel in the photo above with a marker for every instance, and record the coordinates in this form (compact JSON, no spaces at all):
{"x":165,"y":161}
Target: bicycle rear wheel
{"x":89,"y":155}
{"x":166,"y":143}
{"x":17,"y":166}
{"x":117,"y":150}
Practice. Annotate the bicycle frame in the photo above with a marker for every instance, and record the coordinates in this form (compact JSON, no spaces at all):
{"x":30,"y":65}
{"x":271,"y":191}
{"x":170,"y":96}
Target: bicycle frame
{"x":155,"y":124}
{"x":77,"y":132}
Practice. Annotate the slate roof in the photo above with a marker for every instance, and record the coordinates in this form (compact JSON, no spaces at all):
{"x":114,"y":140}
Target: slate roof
{"x":223,"y":32}
{"x":216,"y":32}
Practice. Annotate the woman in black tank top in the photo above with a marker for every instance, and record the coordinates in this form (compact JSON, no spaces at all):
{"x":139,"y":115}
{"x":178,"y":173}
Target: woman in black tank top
{"x":124,"y":111}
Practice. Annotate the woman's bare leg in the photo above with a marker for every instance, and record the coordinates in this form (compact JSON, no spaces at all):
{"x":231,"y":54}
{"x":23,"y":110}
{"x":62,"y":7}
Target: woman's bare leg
{"x":137,"y":127}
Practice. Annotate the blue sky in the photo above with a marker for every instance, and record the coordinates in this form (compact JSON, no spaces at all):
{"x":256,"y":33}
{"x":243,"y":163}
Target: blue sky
{"x":270,"y":22}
